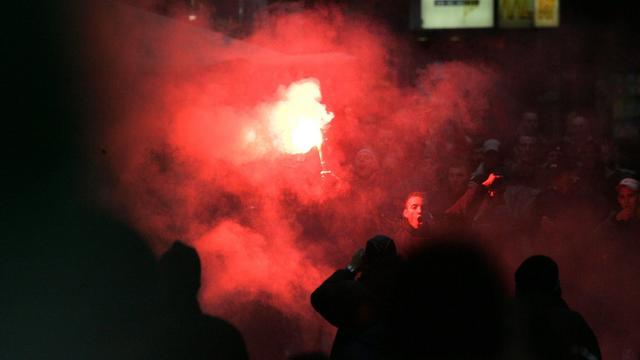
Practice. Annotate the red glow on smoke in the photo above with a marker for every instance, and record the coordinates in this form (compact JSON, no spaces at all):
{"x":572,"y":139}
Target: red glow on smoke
{"x":210,"y":141}
{"x":215,"y":152}
{"x":244,"y":264}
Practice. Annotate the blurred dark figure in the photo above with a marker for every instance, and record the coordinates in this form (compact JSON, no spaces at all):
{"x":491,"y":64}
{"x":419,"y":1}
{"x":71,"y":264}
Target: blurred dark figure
{"x":492,"y":161}
{"x":450,"y":303}
{"x":185,"y":332}
{"x":580,"y":144}
{"x":369,"y":186}
{"x":482,"y":178}
{"x":366,"y":167}
{"x":358,"y":300}
{"x":613,"y":171}
{"x":592,"y":169}
{"x":524,"y":161}
{"x":487,"y":187}
{"x":529,"y":124}
{"x":455,"y":186}
{"x":522,"y":189}
{"x":547,"y":327}
{"x":558,"y":205}
{"x":416,"y":224}
{"x":577,"y":134}
{"x":553,"y":154}
{"x":493,"y":217}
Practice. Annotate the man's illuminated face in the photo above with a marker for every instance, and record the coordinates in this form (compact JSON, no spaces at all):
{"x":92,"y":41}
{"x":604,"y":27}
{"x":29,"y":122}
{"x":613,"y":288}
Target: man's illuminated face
{"x":413,"y":211}
{"x":627,"y":198}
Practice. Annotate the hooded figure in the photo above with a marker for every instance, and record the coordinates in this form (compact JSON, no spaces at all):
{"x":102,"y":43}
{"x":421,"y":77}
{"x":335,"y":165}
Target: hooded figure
{"x":548,"y":328}
{"x":184,"y":332}
{"x":358,"y":299}
{"x":450,"y":302}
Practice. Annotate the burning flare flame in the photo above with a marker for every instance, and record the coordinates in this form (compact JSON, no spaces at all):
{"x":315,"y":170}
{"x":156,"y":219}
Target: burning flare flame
{"x":297,"y":120}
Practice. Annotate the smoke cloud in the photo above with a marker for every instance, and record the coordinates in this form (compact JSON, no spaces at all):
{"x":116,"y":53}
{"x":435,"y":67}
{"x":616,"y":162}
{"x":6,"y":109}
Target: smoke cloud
{"x":192,"y":152}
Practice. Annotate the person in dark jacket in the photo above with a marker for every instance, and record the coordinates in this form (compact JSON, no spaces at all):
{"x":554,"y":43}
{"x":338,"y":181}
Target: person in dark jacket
{"x":358,"y":299}
{"x":548,"y":328}
{"x":450,"y":302}
{"x":455,"y":186}
{"x":184,"y":331}
{"x":482,"y":179}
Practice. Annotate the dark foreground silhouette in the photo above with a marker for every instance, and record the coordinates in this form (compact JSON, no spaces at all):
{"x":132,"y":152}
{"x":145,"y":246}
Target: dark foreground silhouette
{"x":185,"y":332}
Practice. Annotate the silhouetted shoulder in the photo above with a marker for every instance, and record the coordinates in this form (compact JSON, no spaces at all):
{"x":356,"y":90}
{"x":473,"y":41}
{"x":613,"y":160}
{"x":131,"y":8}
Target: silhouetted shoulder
{"x":224,"y":339}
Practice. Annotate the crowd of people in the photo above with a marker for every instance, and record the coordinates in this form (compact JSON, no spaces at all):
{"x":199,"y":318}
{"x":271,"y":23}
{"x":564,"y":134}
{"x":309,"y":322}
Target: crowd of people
{"x":573,"y":197}
{"x":432,"y":286}
{"x":444,"y":301}
{"x":572,"y":185}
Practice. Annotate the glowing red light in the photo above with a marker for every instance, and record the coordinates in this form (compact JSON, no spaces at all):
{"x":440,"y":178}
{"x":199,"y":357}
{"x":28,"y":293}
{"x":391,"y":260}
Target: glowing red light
{"x":298,"y":119}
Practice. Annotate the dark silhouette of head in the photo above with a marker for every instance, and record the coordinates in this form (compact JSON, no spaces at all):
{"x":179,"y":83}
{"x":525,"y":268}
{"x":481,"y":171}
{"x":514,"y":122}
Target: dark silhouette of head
{"x":538,"y":274}
{"x":379,"y":249}
{"x":379,"y":267}
{"x":187,"y":333}
{"x":450,"y":294}
{"x":180,"y":271}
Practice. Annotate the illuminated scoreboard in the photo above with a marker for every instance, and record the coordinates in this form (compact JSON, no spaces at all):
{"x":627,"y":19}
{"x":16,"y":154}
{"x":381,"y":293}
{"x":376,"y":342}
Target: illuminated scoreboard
{"x":461,"y":14}
{"x":455,"y":14}
{"x":546,"y":13}
{"x":528,"y":13}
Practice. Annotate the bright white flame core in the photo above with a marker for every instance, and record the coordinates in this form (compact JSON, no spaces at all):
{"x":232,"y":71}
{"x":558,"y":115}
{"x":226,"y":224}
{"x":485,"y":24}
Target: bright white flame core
{"x":297,"y":120}
{"x":250,"y":136}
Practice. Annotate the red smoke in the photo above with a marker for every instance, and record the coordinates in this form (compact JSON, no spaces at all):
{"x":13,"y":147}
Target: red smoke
{"x":187,"y":133}
{"x":190,"y":155}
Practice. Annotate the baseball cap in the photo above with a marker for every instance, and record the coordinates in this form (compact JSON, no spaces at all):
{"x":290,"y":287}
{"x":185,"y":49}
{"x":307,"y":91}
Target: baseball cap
{"x":491,"y":145}
{"x":631,"y":183}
